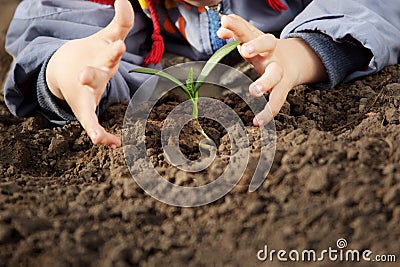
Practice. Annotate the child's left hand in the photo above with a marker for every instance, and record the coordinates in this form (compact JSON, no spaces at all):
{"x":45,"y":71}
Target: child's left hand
{"x":282,"y":63}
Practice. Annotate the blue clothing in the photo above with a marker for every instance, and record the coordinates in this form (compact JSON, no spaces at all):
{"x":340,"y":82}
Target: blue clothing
{"x":343,"y":34}
{"x":214,"y":25}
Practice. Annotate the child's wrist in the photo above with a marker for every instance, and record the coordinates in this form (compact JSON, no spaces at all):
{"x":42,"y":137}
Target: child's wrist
{"x":51,"y":77}
{"x":308,"y":65}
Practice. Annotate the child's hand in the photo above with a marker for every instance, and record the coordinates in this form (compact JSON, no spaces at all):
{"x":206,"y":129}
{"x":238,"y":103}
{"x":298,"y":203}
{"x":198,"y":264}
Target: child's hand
{"x":79,"y":71}
{"x":282,"y":63}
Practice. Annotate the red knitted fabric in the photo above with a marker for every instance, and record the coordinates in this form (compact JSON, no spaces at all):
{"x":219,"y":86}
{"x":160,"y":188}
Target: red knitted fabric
{"x":157,"y":48}
{"x":104,"y":2}
{"x":276,"y":5}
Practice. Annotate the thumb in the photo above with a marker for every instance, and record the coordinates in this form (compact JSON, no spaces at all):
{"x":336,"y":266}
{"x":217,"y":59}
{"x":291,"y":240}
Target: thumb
{"x":122,"y":22}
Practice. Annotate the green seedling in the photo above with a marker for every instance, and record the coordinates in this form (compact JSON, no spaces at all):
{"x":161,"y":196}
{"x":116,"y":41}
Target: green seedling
{"x":190,"y":87}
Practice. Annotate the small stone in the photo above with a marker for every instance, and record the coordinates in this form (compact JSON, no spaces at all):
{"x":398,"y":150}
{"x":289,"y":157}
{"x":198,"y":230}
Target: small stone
{"x":318,"y":181}
{"x":255,"y":207}
{"x":363,"y":104}
{"x":392,"y":115}
{"x":11,"y":170}
{"x":315,"y":99}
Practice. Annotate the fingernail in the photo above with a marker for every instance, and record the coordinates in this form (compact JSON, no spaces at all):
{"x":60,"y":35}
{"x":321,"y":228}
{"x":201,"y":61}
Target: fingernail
{"x":92,"y":135}
{"x":249,"y":48}
{"x":255,"y":89}
{"x":260,"y":121}
{"x":113,"y":146}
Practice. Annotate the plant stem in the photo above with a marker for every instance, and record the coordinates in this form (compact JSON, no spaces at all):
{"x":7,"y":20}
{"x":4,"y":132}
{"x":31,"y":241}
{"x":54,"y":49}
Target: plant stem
{"x":195,"y":115}
{"x":195,"y":112}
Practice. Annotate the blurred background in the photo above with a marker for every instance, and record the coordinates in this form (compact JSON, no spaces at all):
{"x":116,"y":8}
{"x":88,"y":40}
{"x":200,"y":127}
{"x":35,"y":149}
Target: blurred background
{"x":7,"y":8}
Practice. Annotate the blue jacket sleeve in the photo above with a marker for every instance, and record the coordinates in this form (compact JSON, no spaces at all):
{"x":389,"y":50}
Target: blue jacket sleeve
{"x":38,"y":29}
{"x":373,"y":24}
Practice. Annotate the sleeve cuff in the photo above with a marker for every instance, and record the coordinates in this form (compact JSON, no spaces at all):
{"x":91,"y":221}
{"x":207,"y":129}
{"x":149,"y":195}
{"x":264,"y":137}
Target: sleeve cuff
{"x":339,"y":58}
{"x":55,"y":110}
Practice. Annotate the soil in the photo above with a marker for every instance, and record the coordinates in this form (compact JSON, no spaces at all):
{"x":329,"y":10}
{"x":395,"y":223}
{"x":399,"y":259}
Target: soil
{"x":336,"y":174}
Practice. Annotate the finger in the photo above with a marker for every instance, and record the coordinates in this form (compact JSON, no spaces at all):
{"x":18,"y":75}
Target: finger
{"x":276,"y":100}
{"x":224,"y":33}
{"x":84,"y":108}
{"x":99,"y":135}
{"x":94,"y":79}
{"x":122,"y":22}
{"x":85,"y":111}
{"x":96,"y":132}
{"x":264,"y":117}
{"x":268,"y":80}
{"x":241,"y":29}
{"x":262,"y":45}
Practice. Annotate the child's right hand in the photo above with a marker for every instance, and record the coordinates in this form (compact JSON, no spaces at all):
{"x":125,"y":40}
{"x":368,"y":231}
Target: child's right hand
{"x":79,"y":71}
{"x":281,"y":63}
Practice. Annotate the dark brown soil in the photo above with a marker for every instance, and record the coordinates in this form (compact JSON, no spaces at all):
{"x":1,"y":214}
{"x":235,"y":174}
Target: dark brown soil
{"x":336,"y":174}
